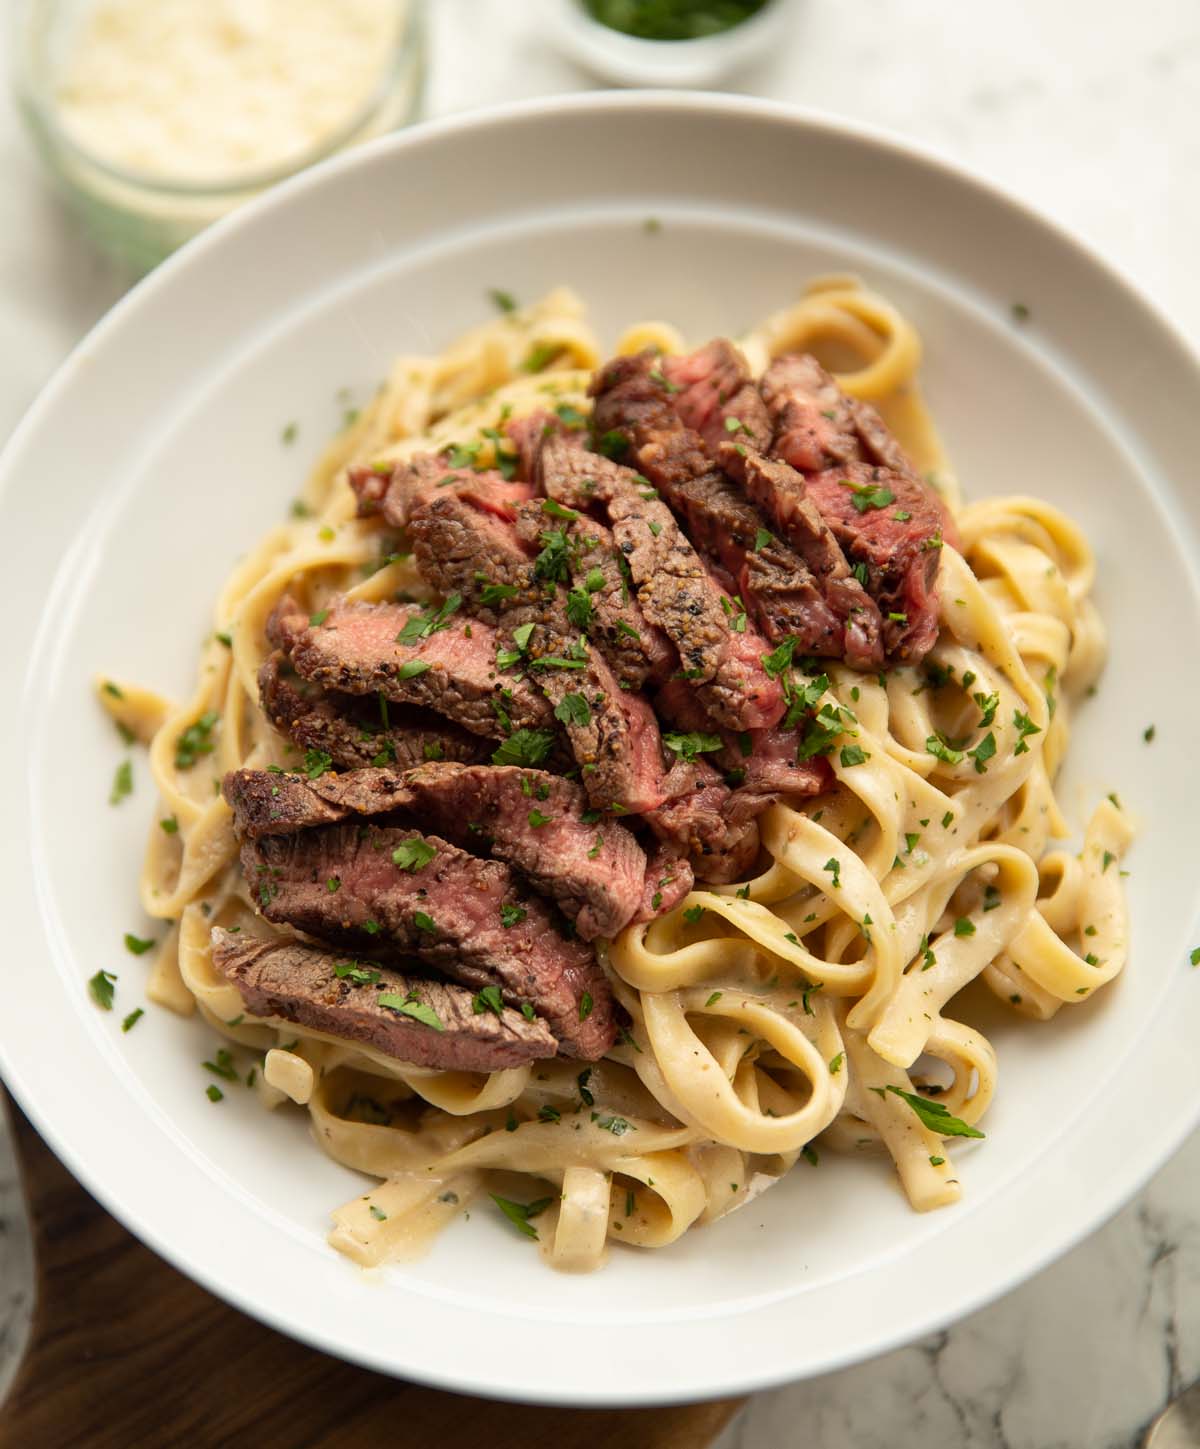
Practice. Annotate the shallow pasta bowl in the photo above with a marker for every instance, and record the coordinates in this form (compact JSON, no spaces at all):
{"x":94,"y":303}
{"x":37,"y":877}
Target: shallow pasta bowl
{"x":155,"y":458}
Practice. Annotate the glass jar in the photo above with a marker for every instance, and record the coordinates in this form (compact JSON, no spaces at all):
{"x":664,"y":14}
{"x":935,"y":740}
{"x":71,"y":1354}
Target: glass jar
{"x":141,"y":210}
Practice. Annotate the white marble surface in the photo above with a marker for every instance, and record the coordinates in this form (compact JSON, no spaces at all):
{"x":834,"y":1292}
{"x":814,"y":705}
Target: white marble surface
{"x":1090,"y":112}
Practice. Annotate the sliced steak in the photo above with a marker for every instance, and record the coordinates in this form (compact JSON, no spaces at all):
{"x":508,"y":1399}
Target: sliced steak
{"x":883,"y":515}
{"x":710,"y":824}
{"x":395,"y":490}
{"x":469,"y":918}
{"x":674,"y":589}
{"x":452,"y":669}
{"x":601,"y":601}
{"x":353,"y":730}
{"x":529,"y":818}
{"x":287,"y":979}
{"x":896,"y":538}
{"x":669,"y":877}
{"x":472,"y":553}
{"x":755,"y":762}
{"x":833,"y":614}
{"x":297,"y":983}
{"x":529,"y":435}
{"x":716,"y":397}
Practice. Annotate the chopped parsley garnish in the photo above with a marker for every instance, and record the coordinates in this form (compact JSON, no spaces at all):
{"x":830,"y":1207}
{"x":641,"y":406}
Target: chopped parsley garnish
{"x":413,"y":855}
{"x":910,"y":842}
{"x":214,"y":1093}
{"x":1024,"y":727}
{"x":983,"y":752}
{"x":688,"y":746}
{"x":378,"y":1214}
{"x":511,"y":916}
{"x":122,"y":785}
{"x":866,"y":496}
{"x":492,"y":594}
{"x":428,"y":621}
{"x":934,"y":1116}
{"x":936,"y":1161}
{"x":612,"y":444}
{"x":780,"y":658}
{"x":579,"y":609}
{"x":487,"y":999}
{"x":853,"y":755}
{"x":693,"y":914}
{"x":806,"y":993}
{"x":582,"y":1081}
{"x":947,"y":819}
{"x":762,"y":538}
{"x":540,"y":355}
{"x":596,"y":847}
{"x":656,"y":375}
{"x":195,"y":741}
{"x":424,"y":923}
{"x":594,"y":581}
{"x":991,"y":898}
{"x":101,"y":987}
{"x":654,"y":527}
{"x":223,"y":1065}
{"x":1109,"y":857}
{"x":585,"y":1006}
{"x":358,"y":975}
{"x":834,"y":867}
{"x":132,"y":1019}
{"x":226,"y":639}
{"x":553,"y":564}
{"x":570,"y":417}
{"x":618,"y":1126}
{"x":1148,"y":733}
{"x":556,"y":510}
{"x":317,"y":763}
{"x":809,"y":1153}
{"x":537,"y":819}
{"x":503,"y":301}
{"x":412,"y":668}
{"x":835,"y":1065}
{"x":169,"y":826}
{"x":316,"y":620}
{"x":964,"y":926}
{"x":525,"y":748}
{"x":1020,"y":312}
{"x":519,"y":1213}
{"x":936,"y":746}
{"x":136,"y":945}
{"x":1194,"y":958}
{"x":573,"y":709}
{"x":410,"y":1006}
{"x":988,"y":705}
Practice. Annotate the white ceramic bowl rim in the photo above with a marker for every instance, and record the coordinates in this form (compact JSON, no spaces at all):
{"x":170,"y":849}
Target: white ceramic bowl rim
{"x":1166,"y":1076}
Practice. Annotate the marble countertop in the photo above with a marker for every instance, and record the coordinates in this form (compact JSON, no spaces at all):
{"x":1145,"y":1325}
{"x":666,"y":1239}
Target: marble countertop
{"x":1089,"y":113}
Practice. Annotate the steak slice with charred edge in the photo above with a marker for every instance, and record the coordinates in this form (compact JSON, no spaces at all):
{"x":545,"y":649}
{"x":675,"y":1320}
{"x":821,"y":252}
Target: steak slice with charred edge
{"x":451,"y":670}
{"x":710,"y":824}
{"x":673,"y":587}
{"x":601,"y":600}
{"x":837,"y":441}
{"x":898,"y":543}
{"x":287,"y":979}
{"x":780,"y":492}
{"x":396,"y":490}
{"x":669,"y":877}
{"x":715,"y":396}
{"x":763,"y":761}
{"x":529,"y":818}
{"x":351,"y":728}
{"x":467,"y":917}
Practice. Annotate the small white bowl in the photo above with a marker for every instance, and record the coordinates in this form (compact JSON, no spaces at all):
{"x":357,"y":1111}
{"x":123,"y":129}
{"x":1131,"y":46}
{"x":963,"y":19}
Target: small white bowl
{"x":626,"y":60}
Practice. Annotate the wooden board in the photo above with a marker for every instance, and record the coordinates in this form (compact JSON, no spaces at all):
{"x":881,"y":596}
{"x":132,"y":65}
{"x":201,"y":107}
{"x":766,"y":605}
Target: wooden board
{"x":126,"y":1353}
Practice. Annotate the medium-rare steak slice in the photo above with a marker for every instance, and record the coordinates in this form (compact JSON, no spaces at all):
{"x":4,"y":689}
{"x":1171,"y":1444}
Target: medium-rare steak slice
{"x":715,"y":396}
{"x":710,"y":824}
{"x":888,"y":521}
{"x":806,"y":592}
{"x":891,"y":528}
{"x":673,"y":586}
{"x":529,"y":818}
{"x":474,"y":554}
{"x":755,"y":762}
{"x":353,"y":730}
{"x":601,"y":602}
{"x":350,"y":999}
{"x":812,"y":549}
{"x":613,"y":733}
{"x":669,"y":877}
{"x":394,"y":490}
{"x":370,"y":888}
{"x":412,"y":656}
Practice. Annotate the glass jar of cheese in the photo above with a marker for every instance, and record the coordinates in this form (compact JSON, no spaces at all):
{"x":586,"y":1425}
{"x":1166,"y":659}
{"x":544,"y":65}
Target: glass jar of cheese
{"x":158,"y":116}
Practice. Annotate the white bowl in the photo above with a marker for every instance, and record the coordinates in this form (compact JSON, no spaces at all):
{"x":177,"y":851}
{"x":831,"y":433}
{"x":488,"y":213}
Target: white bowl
{"x":628,"y":60}
{"x":154,"y":459}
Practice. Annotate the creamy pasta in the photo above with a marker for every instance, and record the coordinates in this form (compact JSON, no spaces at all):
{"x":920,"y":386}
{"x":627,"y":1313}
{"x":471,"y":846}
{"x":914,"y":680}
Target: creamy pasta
{"x":811,"y":1007}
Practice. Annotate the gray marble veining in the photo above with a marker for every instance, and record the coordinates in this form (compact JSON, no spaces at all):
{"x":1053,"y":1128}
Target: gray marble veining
{"x":1089,"y":112}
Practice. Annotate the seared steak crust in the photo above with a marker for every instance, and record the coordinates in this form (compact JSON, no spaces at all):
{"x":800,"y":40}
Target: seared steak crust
{"x":284,"y":978}
{"x":452,"y":670}
{"x":350,"y":729}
